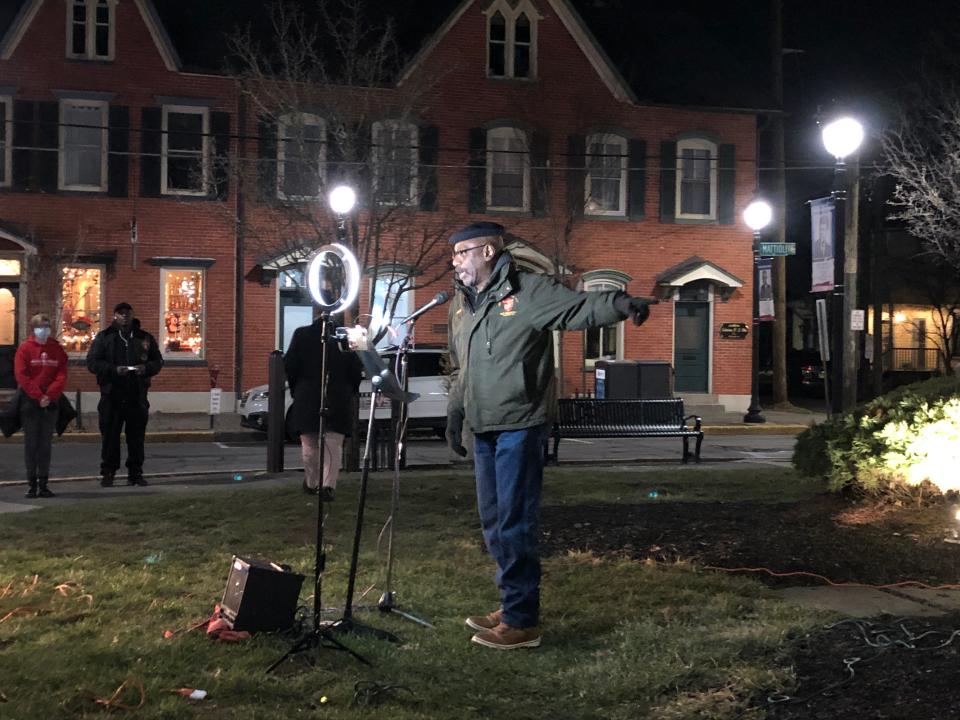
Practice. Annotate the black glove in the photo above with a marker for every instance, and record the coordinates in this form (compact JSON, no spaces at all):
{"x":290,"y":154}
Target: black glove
{"x":455,"y":431}
{"x":635,"y":308}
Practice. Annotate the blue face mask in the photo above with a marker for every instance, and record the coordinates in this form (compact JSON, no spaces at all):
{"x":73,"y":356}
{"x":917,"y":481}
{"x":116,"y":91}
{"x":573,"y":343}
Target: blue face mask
{"x":41,"y":334}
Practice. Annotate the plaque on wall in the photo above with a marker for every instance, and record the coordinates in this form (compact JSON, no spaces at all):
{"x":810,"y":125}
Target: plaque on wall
{"x":737,"y":331}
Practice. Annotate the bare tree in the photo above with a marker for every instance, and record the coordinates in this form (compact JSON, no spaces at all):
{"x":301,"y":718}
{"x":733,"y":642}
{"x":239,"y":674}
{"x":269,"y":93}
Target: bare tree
{"x":329,"y":111}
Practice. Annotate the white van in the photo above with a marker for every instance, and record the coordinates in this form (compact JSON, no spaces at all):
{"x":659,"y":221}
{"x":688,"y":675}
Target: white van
{"x":425,"y":379}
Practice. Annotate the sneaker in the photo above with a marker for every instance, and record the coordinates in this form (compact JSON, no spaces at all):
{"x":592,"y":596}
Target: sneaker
{"x":137,"y":480}
{"x":46,"y":492}
{"x":31,"y":493}
{"x":504,"y":637}
{"x":327,"y":493}
{"x":485,"y":622}
{"x":106,"y":479}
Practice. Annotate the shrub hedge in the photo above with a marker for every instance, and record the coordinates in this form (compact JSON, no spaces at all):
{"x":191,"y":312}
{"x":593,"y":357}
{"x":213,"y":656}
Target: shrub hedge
{"x":907,"y":437}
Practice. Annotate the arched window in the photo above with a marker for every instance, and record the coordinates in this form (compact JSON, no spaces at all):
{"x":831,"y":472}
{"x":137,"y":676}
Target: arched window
{"x":301,"y":153}
{"x":696,"y":179}
{"x":606,"y":178}
{"x":512,"y":40}
{"x":603,"y":343}
{"x":395,"y":150}
{"x":508,"y":169}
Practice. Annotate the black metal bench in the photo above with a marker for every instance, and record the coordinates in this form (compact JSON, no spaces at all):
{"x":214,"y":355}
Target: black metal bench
{"x":588,"y":418}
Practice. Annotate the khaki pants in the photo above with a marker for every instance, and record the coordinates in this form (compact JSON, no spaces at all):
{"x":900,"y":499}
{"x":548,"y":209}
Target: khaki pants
{"x":332,"y":458}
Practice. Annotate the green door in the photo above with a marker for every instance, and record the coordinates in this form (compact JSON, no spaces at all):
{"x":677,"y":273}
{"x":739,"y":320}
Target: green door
{"x":691,"y":347}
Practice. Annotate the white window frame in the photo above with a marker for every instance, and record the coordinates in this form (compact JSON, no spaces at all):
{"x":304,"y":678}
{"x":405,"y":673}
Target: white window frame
{"x":508,"y":133}
{"x":606,"y":139}
{"x":696,"y":144}
{"x":510,"y":15}
{"x":603,"y":284}
{"x":59,"y":323}
{"x":284,"y":123}
{"x":104,"y":141}
{"x":204,"y":112}
{"x":6,"y":137}
{"x":162,"y":330}
{"x":90,"y":23}
{"x":378,"y":147}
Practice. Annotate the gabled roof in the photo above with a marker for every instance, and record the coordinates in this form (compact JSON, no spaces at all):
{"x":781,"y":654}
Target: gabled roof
{"x":16,"y":16}
{"x":696,"y":268}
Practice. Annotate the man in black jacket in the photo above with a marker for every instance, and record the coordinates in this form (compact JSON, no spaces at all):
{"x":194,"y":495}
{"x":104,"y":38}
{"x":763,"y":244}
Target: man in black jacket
{"x":123,"y":357}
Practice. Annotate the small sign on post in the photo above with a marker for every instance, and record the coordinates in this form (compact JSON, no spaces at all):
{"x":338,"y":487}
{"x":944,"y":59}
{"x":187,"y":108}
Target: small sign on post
{"x":215,"y":394}
{"x":857,"y":320}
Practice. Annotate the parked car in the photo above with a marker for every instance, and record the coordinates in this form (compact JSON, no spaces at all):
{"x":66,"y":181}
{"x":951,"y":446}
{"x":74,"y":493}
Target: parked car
{"x":425,"y":379}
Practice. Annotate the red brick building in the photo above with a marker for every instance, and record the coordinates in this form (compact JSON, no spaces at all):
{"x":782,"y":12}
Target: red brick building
{"x":125,"y":176}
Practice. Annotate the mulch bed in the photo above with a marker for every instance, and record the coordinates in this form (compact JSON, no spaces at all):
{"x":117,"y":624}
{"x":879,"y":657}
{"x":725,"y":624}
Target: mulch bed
{"x":828,"y":535}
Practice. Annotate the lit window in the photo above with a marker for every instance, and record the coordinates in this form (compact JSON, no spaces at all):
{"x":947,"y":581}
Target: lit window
{"x":83,"y":145}
{"x":8,"y":317}
{"x":91,"y":29}
{"x":392,"y":304}
{"x":185,"y":169}
{"x":9,"y":268}
{"x":300,"y":154}
{"x":508,"y":169}
{"x":602,"y":343}
{"x":182,"y":333}
{"x":606,"y":181}
{"x":696,"y":179}
{"x":81,"y":301}
{"x":395,"y":148}
{"x":511,"y":40}
{"x":6,"y":140}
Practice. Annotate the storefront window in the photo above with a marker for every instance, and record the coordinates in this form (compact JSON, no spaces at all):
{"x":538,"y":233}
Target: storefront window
{"x":182,"y":311}
{"x":81,"y":294}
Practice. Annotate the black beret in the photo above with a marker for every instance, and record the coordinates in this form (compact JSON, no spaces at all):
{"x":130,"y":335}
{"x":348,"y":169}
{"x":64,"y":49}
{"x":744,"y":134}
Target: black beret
{"x":122,"y":306}
{"x":476,"y":230}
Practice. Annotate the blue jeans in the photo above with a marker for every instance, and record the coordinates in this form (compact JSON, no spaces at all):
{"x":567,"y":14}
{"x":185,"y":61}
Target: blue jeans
{"x":509,"y":471}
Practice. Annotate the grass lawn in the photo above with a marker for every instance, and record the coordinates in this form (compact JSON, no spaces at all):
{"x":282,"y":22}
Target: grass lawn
{"x":622,"y":639}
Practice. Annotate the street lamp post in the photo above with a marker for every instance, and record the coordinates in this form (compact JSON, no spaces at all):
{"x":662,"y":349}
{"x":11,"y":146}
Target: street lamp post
{"x":342,"y":200}
{"x":841,"y":138}
{"x":757,"y":216}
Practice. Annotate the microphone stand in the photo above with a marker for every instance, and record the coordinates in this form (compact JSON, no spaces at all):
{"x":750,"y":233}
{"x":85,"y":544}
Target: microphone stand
{"x":388,"y":600}
{"x":320,"y":636}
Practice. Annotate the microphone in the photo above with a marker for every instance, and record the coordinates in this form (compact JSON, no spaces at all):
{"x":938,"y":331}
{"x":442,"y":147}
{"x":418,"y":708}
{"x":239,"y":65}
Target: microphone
{"x":439,"y":299}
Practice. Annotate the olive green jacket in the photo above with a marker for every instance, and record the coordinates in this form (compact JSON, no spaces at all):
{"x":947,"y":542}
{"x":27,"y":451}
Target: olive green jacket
{"x":501,"y":352}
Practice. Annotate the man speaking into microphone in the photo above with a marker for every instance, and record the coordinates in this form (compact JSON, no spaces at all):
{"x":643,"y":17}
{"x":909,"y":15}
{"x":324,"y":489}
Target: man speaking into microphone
{"x":501,"y":353}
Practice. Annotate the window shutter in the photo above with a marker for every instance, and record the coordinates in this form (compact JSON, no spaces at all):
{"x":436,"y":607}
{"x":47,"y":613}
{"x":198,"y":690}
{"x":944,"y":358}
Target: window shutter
{"x":668,"y":182}
{"x":726,"y":184}
{"x":427,"y":168}
{"x":46,"y":158}
{"x":359,"y":172}
{"x":539,"y":173}
{"x":151,"y":145}
{"x":636,"y":178}
{"x":118,"y":145}
{"x":267,"y":159}
{"x":23,"y":135}
{"x":477,"y":171}
{"x":220,"y":171}
{"x":576,"y":174}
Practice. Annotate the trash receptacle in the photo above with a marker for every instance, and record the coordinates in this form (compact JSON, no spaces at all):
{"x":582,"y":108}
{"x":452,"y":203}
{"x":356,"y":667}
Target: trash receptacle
{"x":633,"y":380}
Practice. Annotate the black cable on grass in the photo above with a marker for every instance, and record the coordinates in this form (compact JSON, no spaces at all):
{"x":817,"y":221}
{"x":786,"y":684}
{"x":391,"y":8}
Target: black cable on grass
{"x":367,"y":693}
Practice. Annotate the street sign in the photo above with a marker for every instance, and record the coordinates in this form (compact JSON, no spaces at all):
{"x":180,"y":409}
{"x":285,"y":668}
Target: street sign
{"x":768,"y":249}
{"x":857,"y":319}
{"x":215,"y":395}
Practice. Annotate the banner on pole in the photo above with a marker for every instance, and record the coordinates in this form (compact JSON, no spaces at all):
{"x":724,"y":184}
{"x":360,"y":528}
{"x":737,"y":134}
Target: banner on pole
{"x":765,"y":289}
{"x":822,"y":244}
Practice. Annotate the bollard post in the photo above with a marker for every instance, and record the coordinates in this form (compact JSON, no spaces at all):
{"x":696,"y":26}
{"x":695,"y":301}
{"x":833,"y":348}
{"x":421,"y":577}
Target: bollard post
{"x":276,"y":427}
{"x":79,"y":407}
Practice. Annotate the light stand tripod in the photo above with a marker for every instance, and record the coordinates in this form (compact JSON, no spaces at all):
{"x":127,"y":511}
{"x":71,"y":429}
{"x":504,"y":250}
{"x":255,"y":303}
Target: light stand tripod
{"x":320,"y":635}
{"x":388,"y":600}
{"x":347,"y":622}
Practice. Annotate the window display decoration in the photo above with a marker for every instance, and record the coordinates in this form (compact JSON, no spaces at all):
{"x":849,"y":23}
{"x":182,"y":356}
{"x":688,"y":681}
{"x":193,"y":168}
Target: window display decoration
{"x":182,"y":331}
{"x":81,"y":290}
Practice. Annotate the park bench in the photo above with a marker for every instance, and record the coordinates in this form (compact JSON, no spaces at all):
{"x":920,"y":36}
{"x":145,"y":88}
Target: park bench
{"x":591,"y":418}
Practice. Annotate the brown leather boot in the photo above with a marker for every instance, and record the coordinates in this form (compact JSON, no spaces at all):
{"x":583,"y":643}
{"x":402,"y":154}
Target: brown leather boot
{"x":504,"y":637}
{"x":485,"y":622}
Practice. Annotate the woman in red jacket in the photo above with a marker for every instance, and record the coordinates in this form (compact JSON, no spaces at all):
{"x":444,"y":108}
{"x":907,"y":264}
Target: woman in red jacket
{"x":40,"y":366}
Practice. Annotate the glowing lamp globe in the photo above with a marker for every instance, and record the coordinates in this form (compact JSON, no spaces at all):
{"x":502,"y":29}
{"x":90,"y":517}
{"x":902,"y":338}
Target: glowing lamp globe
{"x":342,"y":199}
{"x":842,"y":137}
{"x":758,"y":215}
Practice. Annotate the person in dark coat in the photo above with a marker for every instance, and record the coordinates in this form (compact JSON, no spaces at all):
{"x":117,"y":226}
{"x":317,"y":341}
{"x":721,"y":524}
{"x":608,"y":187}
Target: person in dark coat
{"x":123,"y":357}
{"x":40,"y":366}
{"x":302,"y":363}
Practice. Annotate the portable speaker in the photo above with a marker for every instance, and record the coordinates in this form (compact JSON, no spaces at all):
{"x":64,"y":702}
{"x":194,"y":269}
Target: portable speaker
{"x":260,"y":595}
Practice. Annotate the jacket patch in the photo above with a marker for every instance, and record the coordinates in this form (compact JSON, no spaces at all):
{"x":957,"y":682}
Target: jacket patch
{"x":508,"y":305}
